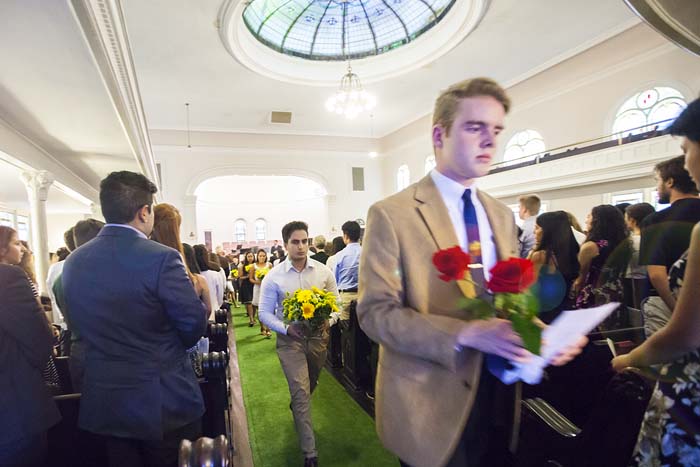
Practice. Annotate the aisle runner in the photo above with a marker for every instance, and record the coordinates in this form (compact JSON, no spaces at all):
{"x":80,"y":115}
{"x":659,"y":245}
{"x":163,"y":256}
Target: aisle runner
{"x":345,"y":434}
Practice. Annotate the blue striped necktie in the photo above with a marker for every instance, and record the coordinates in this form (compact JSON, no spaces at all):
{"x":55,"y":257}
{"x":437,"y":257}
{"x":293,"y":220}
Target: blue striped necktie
{"x":474,"y":242}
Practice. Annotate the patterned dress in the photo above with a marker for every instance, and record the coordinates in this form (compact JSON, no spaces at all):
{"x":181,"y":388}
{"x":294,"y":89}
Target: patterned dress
{"x":670,"y":433}
{"x":603,"y":284}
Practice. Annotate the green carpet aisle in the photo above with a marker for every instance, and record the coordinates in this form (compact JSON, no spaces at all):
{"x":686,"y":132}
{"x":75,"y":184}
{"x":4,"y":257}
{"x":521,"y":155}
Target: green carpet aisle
{"x":345,"y":434}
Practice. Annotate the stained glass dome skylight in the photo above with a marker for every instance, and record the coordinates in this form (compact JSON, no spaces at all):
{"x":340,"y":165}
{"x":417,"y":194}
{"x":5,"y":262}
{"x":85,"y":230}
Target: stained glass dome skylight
{"x":330,"y":30}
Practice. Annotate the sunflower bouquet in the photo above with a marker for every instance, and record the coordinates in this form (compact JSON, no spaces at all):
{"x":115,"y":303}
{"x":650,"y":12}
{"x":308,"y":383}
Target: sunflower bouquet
{"x":313,"y":306}
{"x":261,"y":273}
{"x":233,"y":274}
{"x":247,"y":267}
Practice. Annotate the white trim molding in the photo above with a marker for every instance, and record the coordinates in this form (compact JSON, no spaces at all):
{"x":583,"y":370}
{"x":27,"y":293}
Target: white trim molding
{"x":464,"y":17}
{"x":618,"y":163}
{"x":103,"y":27}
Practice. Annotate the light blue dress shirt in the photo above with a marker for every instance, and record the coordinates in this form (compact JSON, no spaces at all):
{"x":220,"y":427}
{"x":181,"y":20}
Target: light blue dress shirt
{"x":283,"y":279}
{"x":347,"y":266}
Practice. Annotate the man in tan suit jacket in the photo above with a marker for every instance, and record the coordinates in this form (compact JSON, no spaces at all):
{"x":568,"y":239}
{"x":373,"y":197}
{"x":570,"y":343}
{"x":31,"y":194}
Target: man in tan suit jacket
{"x":435,"y":404}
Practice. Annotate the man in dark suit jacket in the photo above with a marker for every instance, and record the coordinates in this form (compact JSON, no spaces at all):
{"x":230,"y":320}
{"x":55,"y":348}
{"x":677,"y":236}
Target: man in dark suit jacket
{"x":26,"y":408}
{"x":135,"y":308}
{"x":320,"y":243}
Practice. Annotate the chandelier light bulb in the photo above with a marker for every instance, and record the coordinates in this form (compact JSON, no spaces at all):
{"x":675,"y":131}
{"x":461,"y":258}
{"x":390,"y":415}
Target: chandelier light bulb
{"x":350,"y":99}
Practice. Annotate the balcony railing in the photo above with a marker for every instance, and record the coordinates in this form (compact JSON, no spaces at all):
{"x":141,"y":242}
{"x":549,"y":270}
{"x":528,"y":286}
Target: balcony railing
{"x":633,"y":135}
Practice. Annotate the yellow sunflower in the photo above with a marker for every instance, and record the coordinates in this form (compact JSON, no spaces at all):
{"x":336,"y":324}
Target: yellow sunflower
{"x":304,"y":296}
{"x":307,"y":310}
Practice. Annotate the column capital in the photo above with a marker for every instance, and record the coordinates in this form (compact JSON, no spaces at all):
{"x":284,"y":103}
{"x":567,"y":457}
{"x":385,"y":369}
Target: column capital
{"x":37,"y":184}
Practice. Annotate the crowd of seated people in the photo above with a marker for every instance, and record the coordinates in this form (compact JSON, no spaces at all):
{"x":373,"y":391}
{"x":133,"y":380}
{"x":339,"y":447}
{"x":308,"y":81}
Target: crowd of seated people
{"x":135,"y":299}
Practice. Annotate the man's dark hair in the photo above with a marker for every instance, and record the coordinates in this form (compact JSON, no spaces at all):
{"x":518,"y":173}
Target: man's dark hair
{"x":62,"y":253}
{"x":688,"y":122}
{"x":86,"y":230}
{"x":352,"y":230}
{"x":291,"y":227}
{"x":338,"y":244}
{"x":675,"y":169}
{"x":639,"y":211}
{"x":123,"y":193}
{"x":68,"y":239}
{"x":622,"y":207}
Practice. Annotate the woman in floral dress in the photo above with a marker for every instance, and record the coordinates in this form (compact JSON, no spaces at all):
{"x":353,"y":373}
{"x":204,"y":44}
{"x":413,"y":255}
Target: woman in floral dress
{"x":604,"y":257}
{"x":670,"y":433}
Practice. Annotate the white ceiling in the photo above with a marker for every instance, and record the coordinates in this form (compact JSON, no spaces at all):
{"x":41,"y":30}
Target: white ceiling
{"x":51,"y":91}
{"x":180,"y":58}
{"x":13,"y":195}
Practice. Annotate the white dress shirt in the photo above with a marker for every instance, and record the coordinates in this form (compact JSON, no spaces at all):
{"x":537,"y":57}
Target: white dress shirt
{"x":451,"y":193}
{"x":283,"y":279}
{"x":127,"y":226}
{"x":216,"y":289}
{"x":55,"y":270}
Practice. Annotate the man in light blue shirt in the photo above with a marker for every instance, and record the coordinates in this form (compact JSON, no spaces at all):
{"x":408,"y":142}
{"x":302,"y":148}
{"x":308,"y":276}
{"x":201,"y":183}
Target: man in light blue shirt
{"x":347,"y":267}
{"x":300,"y":349}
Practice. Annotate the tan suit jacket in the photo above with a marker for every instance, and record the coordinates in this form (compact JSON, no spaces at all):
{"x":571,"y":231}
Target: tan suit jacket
{"x":425,"y":388}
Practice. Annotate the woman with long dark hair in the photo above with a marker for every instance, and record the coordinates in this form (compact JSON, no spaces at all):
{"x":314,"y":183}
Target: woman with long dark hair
{"x":556,"y":253}
{"x":27,"y":346}
{"x":257,"y":273}
{"x":604,"y":257}
{"x":216,"y":291}
{"x":246,"y":288}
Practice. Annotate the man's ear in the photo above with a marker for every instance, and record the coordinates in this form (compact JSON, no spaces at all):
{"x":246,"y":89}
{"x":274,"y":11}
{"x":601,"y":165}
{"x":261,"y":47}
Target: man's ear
{"x":670,"y":182}
{"x":437,"y":136}
{"x":144,"y":212}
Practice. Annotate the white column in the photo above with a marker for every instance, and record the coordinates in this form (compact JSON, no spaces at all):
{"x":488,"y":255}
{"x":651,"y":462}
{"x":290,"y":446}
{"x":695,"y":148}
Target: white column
{"x":37,"y":184}
{"x":189,"y":232}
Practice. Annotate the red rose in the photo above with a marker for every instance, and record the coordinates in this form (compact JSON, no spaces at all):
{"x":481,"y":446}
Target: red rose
{"x":512,"y":276}
{"x":452,"y":263}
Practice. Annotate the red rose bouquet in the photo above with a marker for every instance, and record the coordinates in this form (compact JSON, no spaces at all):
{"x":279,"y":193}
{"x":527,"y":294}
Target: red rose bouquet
{"x":510,"y":282}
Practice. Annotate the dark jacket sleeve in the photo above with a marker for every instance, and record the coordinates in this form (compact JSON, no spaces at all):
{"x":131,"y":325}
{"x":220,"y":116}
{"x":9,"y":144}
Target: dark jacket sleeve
{"x":175,"y":291}
{"x":22,"y":318}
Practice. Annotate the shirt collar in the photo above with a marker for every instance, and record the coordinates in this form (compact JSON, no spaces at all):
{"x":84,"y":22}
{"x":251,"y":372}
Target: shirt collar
{"x":450,"y":189}
{"x":127,"y":226}
{"x":288,"y":264}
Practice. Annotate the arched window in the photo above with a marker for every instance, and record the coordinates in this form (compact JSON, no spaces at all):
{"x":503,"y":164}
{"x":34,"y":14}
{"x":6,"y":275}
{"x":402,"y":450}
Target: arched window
{"x":429,"y":164}
{"x":239,"y":230}
{"x":403,"y":177}
{"x":523,"y":144}
{"x":260,"y":229}
{"x":641,"y":112}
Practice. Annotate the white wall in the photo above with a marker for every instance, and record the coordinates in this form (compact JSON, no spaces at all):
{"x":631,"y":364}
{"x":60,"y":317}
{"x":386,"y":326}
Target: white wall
{"x":571,"y":102}
{"x":276,"y":199}
{"x":57,"y":224}
{"x":184,"y":169}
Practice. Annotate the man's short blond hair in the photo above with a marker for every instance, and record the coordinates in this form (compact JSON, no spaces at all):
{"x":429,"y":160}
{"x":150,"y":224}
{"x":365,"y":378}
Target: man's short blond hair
{"x":531,"y":203}
{"x":448,"y":101}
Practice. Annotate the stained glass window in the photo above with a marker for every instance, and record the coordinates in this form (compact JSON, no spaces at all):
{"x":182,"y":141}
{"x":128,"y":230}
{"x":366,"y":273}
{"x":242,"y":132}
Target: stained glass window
{"x":403,"y":177}
{"x":341,"y":29}
{"x":523,"y":144}
{"x":642,"y":112}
